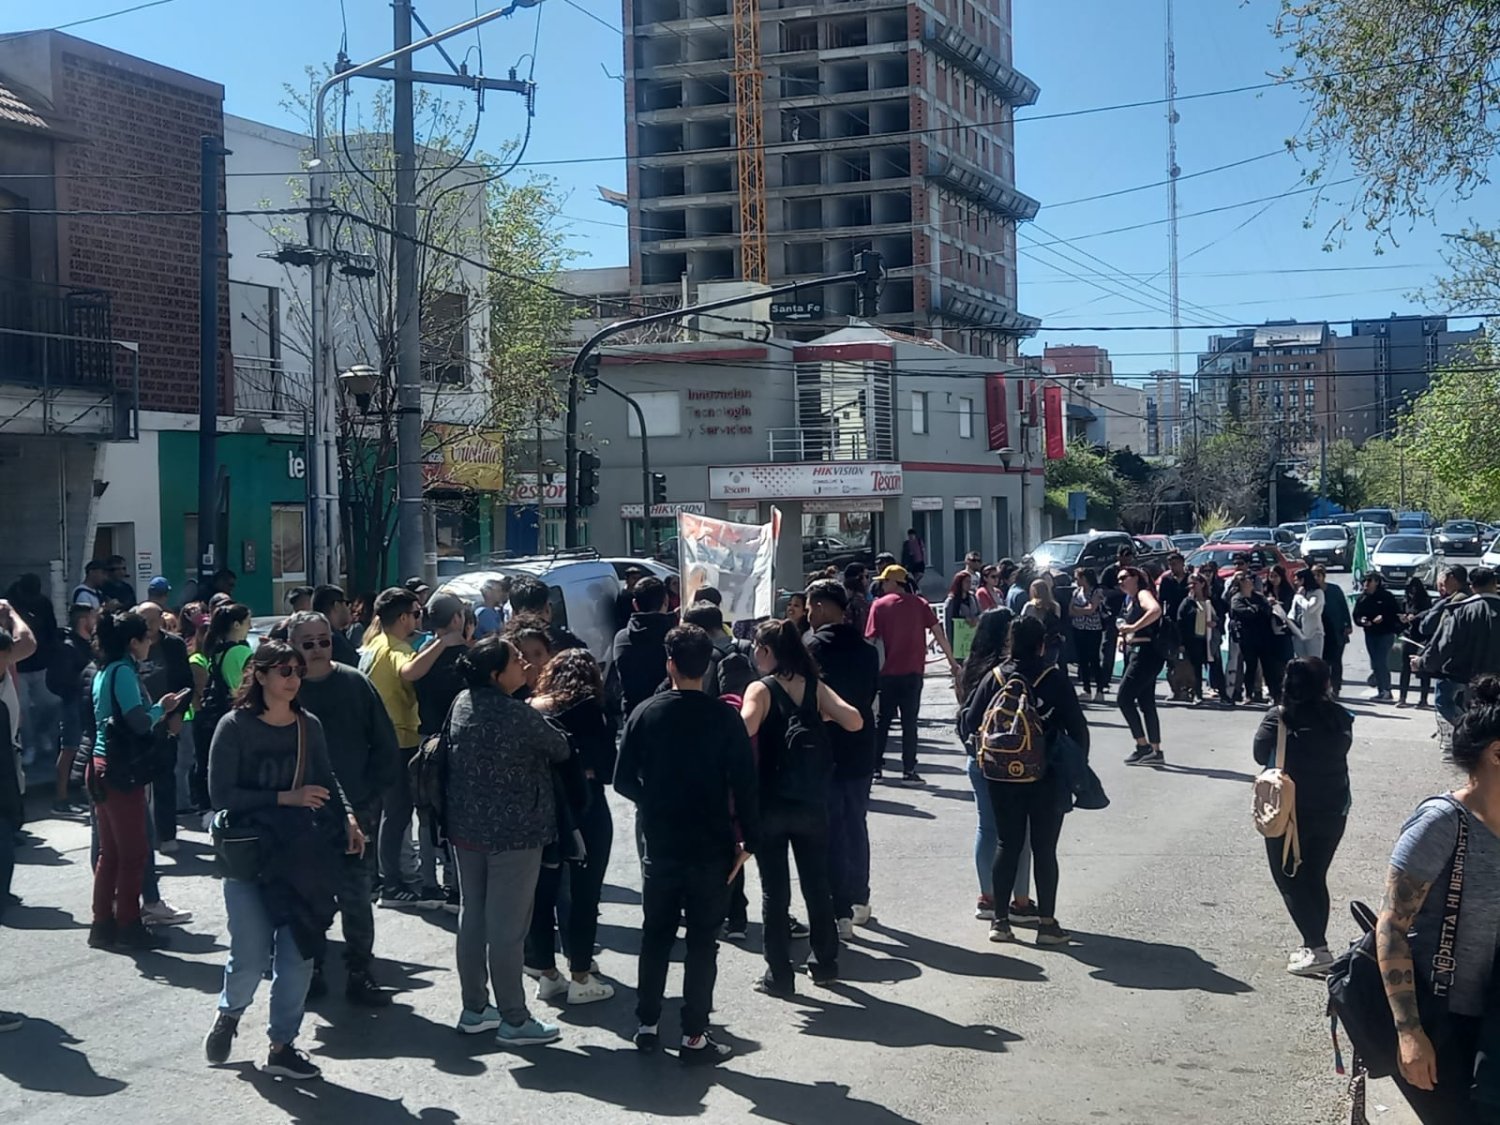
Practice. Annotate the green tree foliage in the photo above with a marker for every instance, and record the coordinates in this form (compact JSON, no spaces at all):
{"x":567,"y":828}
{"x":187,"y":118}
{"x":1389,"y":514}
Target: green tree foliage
{"x":1084,"y":469}
{"x":1450,"y":431}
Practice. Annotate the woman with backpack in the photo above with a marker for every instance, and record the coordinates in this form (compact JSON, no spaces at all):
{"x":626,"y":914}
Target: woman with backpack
{"x":990,"y":641}
{"x":1438,"y":1053}
{"x":1144,"y":659}
{"x":1318,"y":735}
{"x":784,"y":712}
{"x":570,"y":693}
{"x":1033,"y":807}
{"x":225,"y":653}
{"x":125,"y":725}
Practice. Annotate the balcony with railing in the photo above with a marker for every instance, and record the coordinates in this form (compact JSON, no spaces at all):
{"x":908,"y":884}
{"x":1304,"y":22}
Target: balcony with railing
{"x":55,"y":337}
{"x":264,"y":388}
{"x":828,"y":443}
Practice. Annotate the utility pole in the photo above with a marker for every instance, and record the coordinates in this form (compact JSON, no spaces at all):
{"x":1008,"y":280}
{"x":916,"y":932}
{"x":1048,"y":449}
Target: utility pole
{"x":410,"y":530}
{"x":210,"y":151}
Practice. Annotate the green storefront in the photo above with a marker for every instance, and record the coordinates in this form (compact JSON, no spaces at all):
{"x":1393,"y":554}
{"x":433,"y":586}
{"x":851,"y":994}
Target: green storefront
{"x":266,"y":479}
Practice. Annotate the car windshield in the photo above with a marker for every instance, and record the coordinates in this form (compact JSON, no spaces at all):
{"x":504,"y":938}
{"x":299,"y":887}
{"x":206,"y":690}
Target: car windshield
{"x":1058,"y":552}
{"x":1248,"y":534}
{"x":1223,"y":556}
{"x":1461,"y":527}
{"x":1403,"y":545}
{"x":1338,"y":534}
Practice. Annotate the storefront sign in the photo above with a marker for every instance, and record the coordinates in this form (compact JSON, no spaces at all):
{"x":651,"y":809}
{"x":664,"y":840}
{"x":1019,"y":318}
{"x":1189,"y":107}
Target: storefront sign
{"x":554,"y":489}
{"x":927,"y":503}
{"x":458,"y":457}
{"x":724,"y":412}
{"x":967,"y":503}
{"x":692,"y":507}
{"x":821,"y":507}
{"x":803,"y":482}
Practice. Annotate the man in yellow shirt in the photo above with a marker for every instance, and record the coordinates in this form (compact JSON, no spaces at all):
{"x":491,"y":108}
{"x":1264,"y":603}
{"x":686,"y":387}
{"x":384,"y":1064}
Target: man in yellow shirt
{"x":393,"y":667}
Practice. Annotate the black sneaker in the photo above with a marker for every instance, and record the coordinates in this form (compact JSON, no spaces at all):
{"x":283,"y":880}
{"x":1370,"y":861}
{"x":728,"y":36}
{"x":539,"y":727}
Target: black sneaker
{"x":138,"y":935}
{"x":703,"y":1050}
{"x":1000,"y":931}
{"x":1050,"y":933}
{"x":288,"y":1062}
{"x":216,"y":1043}
{"x":102,"y":934}
{"x":797,"y":929}
{"x":911,"y":777}
{"x":451,"y":900}
{"x":1138,"y":755}
{"x":646,"y":1039}
{"x":431,"y":898}
{"x":770,"y":986}
{"x":1153,"y":758}
{"x":1023,"y":915}
{"x":399,"y":897}
{"x":734,"y":929}
{"x":361,"y":990}
{"x":317,"y":987}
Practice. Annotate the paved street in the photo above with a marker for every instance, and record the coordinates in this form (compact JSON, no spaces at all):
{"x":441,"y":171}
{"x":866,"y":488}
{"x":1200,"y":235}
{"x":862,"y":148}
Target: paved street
{"x":1173,"y":1006}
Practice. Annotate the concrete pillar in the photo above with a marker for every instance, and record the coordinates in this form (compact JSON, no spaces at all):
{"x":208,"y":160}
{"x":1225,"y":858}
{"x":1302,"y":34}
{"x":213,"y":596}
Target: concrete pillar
{"x":788,"y":571}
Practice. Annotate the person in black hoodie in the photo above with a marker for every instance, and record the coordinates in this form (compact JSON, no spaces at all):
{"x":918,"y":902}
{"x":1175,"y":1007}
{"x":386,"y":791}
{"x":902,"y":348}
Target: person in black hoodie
{"x":1379,"y":614}
{"x":530,"y":595}
{"x":686,"y":763}
{"x":639,"y":662}
{"x":1038,"y":807}
{"x":1318,"y":735}
{"x":1250,"y":624}
{"x":571,"y":694}
{"x":852,"y":669}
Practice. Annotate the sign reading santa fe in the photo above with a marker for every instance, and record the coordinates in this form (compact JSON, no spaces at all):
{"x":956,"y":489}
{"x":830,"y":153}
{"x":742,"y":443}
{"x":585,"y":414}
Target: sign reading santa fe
{"x":803,"y":482}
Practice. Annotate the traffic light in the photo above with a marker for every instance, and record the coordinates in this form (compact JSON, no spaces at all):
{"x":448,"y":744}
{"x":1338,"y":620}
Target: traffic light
{"x":590,"y":374}
{"x":588,"y":479}
{"x":658,"y":489}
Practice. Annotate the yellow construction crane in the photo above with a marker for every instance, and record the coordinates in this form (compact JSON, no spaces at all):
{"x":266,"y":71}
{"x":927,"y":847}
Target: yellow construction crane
{"x":752,"y":153}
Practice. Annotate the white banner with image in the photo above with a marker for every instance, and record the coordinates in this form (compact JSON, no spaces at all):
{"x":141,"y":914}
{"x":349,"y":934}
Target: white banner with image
{"x":735,"y":558}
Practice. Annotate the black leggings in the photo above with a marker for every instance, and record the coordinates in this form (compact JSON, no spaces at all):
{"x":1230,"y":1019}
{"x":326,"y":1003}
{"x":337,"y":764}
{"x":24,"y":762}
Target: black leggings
{"x":1306,"y":893}
{"x":1137,"y":693}
{"x":585,"y":883}
{"x":1086,"y":647}
{"x":1035,"y":806}
{"x":1406,"y":674}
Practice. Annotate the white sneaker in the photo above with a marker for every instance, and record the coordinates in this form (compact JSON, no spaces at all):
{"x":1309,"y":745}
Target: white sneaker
{"x":590,"y":991}
{"x":862,"y":914}
{"x":549,"y":988}
{"x":1310,"y":962}
{"x":846,"y":929}
{"x":164,"y":913}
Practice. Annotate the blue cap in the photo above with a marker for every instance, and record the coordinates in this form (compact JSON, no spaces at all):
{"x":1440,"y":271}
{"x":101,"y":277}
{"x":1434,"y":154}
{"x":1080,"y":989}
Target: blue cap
{"x":159,"y":585}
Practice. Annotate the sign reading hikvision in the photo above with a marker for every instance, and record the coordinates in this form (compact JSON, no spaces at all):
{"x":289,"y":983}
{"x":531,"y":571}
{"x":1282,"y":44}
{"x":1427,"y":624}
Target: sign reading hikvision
{"x":803,"y":482}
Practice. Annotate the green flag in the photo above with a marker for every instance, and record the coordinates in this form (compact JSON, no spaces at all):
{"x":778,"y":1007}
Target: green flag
{"x":1360,"y":563}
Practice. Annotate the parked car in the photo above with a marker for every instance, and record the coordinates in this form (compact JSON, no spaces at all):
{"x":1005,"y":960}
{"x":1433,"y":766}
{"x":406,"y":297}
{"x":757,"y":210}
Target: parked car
{"x":1459,"y":537}
{"x":1385,"y":517}
{"x":1400,"y":556}
{"x":1297,"y":530}
{"x":583,"y":593}
{"x":1097,"y":549}
{"x":1329,"y":544}
{"x":1262,"y":556}
{"x":651,"y":566}
{"x":1374,"y":533}
{"x":819,"y":551}
{"x":1491,"y":556}
{"x":1186,"y":543}
{"x":1414,"y":521}
{"x":1278,"y":535}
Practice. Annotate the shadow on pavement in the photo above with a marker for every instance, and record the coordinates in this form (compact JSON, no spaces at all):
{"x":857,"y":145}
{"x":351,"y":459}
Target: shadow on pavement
{"x":1149,"y":965}
{"x":397,"y":1033}
{"x":169,"y":967}
{"x":1206,"y":771}
{"x":40,"y":1057}
{"x":316,"y":1103}
{"x":856,"y":965}
{"x":887,"y":1024}
{"x":33,"y":851}
{"x":896,"y":808}
{"x":613,"y":892}
{"x":944,"y":958}
{"x":190,"y":859}
{"x":24,"y":917}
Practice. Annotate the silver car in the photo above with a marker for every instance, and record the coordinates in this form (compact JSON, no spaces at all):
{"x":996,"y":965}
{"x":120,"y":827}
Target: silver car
{"x":1405,"y":555}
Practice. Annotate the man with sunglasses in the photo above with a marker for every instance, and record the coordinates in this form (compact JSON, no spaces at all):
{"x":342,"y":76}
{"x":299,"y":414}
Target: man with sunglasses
{"x":333,"y":603}
{"x":362,"y":747}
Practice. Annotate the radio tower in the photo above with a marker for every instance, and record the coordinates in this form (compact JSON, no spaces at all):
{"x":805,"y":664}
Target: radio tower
{"x":1172,"y":173}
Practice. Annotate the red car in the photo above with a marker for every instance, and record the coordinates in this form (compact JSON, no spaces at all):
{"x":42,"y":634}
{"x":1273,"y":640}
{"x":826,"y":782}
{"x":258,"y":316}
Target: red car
{"x":1262,"y":557}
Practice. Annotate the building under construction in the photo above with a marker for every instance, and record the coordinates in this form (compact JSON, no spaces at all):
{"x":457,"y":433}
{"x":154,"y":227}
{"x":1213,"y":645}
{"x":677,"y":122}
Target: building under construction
{"x":773,"y":143}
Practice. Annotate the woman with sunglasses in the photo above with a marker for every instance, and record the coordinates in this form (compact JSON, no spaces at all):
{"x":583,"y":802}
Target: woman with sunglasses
{"x":269,"y":770}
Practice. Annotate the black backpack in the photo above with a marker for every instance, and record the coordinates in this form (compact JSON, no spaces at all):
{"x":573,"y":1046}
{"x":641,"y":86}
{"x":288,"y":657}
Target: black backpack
{"x":801,"y":769}
{"x":218,"y":699}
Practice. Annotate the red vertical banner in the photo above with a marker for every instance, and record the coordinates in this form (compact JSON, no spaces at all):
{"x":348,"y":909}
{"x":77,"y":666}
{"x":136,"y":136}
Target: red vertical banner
{"x":996,"y":411}
{"x":1052,"y":419}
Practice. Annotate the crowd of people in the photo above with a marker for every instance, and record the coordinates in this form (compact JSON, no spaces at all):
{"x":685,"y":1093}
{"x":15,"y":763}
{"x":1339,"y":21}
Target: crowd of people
{"x":496,"y":734}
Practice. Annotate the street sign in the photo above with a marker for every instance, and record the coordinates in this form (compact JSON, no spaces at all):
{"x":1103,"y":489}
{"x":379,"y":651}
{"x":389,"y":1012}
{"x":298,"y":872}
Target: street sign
{"x":796,"y":309}
{"x":1078,"y":506}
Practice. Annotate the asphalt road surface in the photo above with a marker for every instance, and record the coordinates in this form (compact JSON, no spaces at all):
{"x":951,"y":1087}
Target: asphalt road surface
{"x":1172,"y":1006}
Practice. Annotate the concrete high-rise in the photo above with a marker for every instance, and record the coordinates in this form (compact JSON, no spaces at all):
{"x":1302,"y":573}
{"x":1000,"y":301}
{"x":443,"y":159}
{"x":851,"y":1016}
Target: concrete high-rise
{"x":887,"y":126}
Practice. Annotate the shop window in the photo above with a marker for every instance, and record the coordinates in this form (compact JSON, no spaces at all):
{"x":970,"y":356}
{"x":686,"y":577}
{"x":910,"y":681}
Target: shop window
{"x":967,"y":535}
{"x":965,"y":417}
{"x":288,"y":553}
{"x":919,"y":412}
{"x":662,"y":410}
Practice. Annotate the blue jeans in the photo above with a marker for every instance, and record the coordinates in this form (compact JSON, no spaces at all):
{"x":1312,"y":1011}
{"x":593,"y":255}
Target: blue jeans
{"x":987,"y":841}
{"x":1378,"y":645}
{"x":1448,"y":701}
{"x":255,"y":946}
{"x":848,"y":843}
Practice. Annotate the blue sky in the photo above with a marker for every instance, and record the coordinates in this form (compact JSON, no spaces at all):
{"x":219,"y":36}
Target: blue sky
{"x":1084,"y":53}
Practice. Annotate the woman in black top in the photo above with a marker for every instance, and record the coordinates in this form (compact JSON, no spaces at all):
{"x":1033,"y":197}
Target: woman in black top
{"x":278,"y":921}
{"x":1318,"y":735}
{"x":570,"y":693}
{"x":1143,"y":663}
{"x":1034,"y":808}
{"x":795,"y":819}
{"x":1415,"y":602}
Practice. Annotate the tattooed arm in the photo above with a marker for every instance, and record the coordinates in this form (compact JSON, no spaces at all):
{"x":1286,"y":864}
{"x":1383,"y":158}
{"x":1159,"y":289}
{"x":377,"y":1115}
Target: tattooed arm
{"x":1404,"y":896}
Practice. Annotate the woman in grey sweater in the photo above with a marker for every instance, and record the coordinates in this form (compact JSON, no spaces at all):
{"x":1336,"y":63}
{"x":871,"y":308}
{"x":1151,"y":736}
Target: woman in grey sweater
{"x":499,"y":815}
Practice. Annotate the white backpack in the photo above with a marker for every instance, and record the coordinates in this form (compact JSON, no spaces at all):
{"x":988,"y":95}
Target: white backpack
{"x":1273,"y":805}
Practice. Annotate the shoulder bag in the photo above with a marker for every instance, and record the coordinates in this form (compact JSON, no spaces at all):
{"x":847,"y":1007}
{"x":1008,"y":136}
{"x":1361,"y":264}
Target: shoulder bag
{"x":132,"y":760}
{"x":236,"y":835}
{"x":1273,"y":804}
{"x":1356,"y":991}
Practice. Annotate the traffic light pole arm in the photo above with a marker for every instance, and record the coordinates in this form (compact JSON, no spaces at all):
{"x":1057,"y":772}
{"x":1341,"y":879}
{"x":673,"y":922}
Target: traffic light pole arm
{"x":640,"y":420}
{"x":869,"y":276}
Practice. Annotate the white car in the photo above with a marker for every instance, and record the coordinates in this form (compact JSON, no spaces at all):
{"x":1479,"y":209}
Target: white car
{"x":1403,"y":555}
{"x":583,"y":594}
{"x":1492,"y":555}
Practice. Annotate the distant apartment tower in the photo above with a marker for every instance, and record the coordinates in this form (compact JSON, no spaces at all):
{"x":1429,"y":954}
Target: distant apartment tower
{"x":1276,"y":374}
{"x":1172,"y":396}
{"x":1100,"y":411}
{"x":1382,"y":364}
{"x":888,"y":126}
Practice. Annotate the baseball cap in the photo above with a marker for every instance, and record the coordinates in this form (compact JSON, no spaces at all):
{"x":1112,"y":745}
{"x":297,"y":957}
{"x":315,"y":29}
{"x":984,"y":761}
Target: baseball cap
{"x":894,"y":574}
{"x":159,"y":585}
{"x":416,"y":585}
{"x":442,"y":609}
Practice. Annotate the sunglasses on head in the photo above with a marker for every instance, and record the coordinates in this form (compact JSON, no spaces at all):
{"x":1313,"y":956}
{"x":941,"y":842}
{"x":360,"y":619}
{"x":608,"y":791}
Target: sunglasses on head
{"x":287,"y":671}
{"x":324,"y":642}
